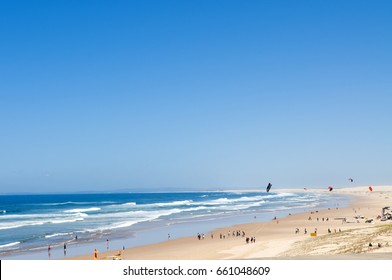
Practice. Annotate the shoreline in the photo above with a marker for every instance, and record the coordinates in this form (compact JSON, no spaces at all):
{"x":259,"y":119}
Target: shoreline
{"x":277,"y":239}
{"x":154,"y":231}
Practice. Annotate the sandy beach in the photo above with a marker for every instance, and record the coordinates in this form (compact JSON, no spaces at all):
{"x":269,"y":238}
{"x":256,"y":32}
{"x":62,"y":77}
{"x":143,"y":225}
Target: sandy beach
{"x":334,"y":233}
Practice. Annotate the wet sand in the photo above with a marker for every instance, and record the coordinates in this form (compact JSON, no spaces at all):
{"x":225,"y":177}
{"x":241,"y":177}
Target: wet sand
{"x":341,"y":233}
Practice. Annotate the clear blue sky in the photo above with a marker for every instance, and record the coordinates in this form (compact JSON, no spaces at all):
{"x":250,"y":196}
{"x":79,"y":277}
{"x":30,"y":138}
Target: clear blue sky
{"x":183,"y":95}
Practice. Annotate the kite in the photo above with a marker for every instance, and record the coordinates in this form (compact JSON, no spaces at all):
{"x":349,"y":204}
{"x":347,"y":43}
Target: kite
{"x":370,"y":188}
{"x":330,"y":188}
{"x":269,"y":187}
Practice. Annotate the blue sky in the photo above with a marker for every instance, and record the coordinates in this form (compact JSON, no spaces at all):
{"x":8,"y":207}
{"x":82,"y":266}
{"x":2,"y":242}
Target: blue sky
{"x":185,"y":95}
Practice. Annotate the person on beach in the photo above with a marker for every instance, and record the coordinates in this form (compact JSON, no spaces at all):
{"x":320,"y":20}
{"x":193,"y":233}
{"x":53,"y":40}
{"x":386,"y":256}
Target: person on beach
{"x":65,"y":249}
{"x":95,"y":254}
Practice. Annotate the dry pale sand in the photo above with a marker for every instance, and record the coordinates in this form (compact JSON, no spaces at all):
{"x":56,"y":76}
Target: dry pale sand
{"x":277,"y":239}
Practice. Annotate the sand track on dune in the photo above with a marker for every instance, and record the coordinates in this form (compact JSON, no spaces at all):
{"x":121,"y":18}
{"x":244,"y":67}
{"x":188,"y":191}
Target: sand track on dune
{"x":352,"y":241}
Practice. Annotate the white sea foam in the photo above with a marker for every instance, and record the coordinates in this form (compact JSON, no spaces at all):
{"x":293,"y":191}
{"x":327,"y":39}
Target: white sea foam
{"x":282,"y":194}
{"x":123,"y":225}
{"x":174,"y":203}
{"x":11,"y":225}
{"x":35,"y":216}
{"x":223,"y":201}
{"x":58,"y":234}
{"x":62,"y":221}
{"x":64,"y":203}
{"x":92,"y":209}
{"x":130,"y":204}
{"x":13,"y":244}
{"x":133,"y":217}
{"x":17,"y":221}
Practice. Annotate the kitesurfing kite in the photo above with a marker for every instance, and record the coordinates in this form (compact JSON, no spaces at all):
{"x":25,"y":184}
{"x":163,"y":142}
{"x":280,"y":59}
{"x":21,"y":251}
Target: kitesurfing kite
{"x":370,"y":188}
{"x":330,"y":188}
{"x":351,"y":180}
{"x":269,"y":187}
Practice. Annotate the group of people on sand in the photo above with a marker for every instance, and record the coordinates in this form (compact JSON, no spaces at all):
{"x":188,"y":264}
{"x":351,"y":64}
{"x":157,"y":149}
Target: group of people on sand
{"x":237,"y":233}
{"x":305,"y":230}
{"x":315,"y":230}
{"x":318,"y":219}
{"x":200,"y":236}
{"x":378,"y":244}
{"x":251,"y":240}
{"x":330,"y":231}
{"x":234,"y":233}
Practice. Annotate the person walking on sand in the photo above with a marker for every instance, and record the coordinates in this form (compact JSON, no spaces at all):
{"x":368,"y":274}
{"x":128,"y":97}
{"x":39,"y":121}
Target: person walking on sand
{"x":95,"y":254}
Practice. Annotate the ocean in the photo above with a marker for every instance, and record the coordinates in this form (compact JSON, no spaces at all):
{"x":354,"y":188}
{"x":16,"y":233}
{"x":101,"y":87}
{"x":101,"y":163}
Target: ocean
{"x":29,"y":224}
